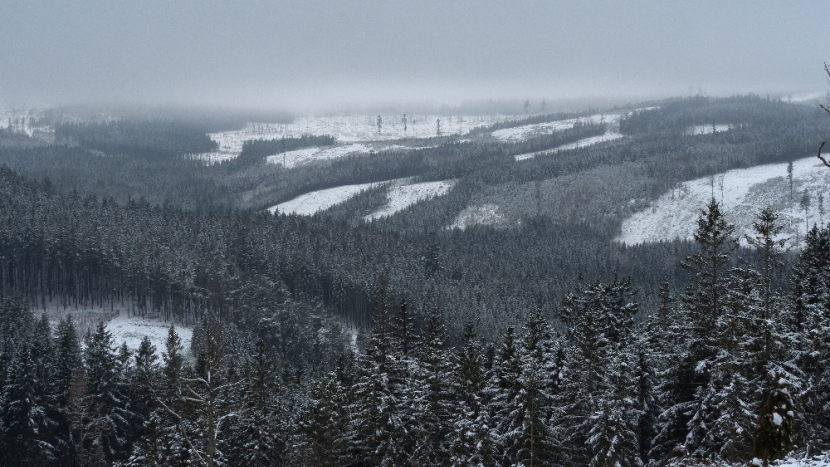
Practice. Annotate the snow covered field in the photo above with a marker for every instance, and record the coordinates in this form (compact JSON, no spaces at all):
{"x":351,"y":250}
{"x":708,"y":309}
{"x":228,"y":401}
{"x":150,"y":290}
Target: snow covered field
{"x":300,"y":156}
{"x":578,"y":144}
{"x":133,"y":329}
{"x":320,"y":200}
{"x":521,"y":133}
{"x":743,"y":193}
{"x":123,"y":326}
{"x":345,"y":129}
{"x":401,"y":196}
{"x":485,"y":214}
{"x":707,"y":129}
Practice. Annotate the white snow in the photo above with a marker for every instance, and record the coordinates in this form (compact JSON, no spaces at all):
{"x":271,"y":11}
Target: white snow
{"x":133,"y":329}
{"x":777,"y":419}
{"x":310,"y":203}
{"x":707,"y":129}
{"x":521,"y":133}
{"x":610,"y":136}
{"x":402,"y":195}
{"x":485,"y":214}
{"x":345,"y":129}
{"x":124,"y":326}
{"x":300,"y":156}
{"x":742,"y":193}
{"x":822,"y":460}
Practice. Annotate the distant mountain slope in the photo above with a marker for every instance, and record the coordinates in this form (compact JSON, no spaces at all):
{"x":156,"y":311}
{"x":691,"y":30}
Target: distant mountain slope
{"x":743,"y":194}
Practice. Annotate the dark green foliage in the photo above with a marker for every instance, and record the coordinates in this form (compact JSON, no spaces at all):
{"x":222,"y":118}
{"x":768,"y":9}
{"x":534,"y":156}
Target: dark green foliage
{"x":154,"y":140}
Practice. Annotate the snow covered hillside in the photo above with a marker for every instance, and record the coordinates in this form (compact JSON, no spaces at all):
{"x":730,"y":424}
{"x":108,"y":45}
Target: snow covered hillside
{"x":521,"y":133}
{"x":743,"y":193}
{"x":610,"y":136}
{"x":708,"y":129}
{"x":345,"y":129}
{"x":403,"y":195}
{"x":485,"y":214}
{"x":320,"y":200}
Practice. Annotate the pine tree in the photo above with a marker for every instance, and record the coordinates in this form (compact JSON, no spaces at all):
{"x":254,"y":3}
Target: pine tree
{"x":505,"y":404}
{"x":376,"y":419}
{"x":107,"y":391}
{"x":471,"y":443}
{"x":704,"y":303}
{"x":259,"y":437}
{"x":773,"y":436}
{"x":23,"y":413}
{"x":433,"y":397}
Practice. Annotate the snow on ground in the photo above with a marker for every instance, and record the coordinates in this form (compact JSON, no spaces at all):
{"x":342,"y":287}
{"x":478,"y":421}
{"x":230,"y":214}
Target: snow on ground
{"x":817,"y":461}
{"x":521,"y":133}
{"x":320,"y":200}
{"x":610,"y":136}
{"x":743,"y":193}
{"x":124,"y":326}
{"x":485,"y":214}
{"x":132,"y":329}
{"x":401,"y":196}
{"x":25,"y":122}
{"x":300,"y":156}
{"x":345,"y":129}
{"x":707,"y":129}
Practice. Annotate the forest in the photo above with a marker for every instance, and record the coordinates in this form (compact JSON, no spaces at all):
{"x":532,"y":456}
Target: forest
{"x":327,"y":340}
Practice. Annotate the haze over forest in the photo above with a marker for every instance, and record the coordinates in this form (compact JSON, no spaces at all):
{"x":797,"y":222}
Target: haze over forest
{"x":319,"y":55}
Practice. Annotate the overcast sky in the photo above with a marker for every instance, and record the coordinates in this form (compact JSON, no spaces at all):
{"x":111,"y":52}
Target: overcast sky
{"x":308,"y":53}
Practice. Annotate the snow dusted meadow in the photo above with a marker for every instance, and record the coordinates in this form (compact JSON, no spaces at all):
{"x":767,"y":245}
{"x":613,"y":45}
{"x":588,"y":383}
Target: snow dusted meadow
{"x":610,"y":136}
{"x":320,"y":200}
{"x":347,"y":130}
{"x":708,"y":129}
{"x":521,"y":133}
{"x":742,"y":193}
{"x":401,"y":195}
{"x":485,"y":214}
{"x":124,"y":326}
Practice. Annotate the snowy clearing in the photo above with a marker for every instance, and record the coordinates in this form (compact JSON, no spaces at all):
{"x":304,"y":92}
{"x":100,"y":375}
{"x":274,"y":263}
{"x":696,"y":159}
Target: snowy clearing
{"x":742,"y":193}
{"x":124,"y":326}
{"x":345,"y":129}
{"x":401,"y":196}
{"x":300,"y":156}
{"x":133,"y":329}
{"x":575,"y":145}
{"x":521,"y":133}
{"x":485,"y":214}
{"x":707,"y":129}
{"x":320,"y":200}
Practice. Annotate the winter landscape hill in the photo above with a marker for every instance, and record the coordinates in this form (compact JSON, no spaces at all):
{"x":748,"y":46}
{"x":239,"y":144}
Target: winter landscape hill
{"x":643,"y":283}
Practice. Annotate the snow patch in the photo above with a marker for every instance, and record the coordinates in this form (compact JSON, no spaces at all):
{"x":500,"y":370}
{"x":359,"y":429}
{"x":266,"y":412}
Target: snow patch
{"x":301,"y":156}
{"x":521,"y":133}
{"x":708,"y":129}
{"x":320,"y":200}
{"x":485,"y":214}
{"x":133,"y":329}
{"x":742,"y":194}
{"x":401,"y":196}
{"x":575,"y":145}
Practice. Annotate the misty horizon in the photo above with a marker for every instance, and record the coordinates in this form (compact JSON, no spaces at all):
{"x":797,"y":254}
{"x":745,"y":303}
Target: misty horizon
{"x":275,"y":56}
